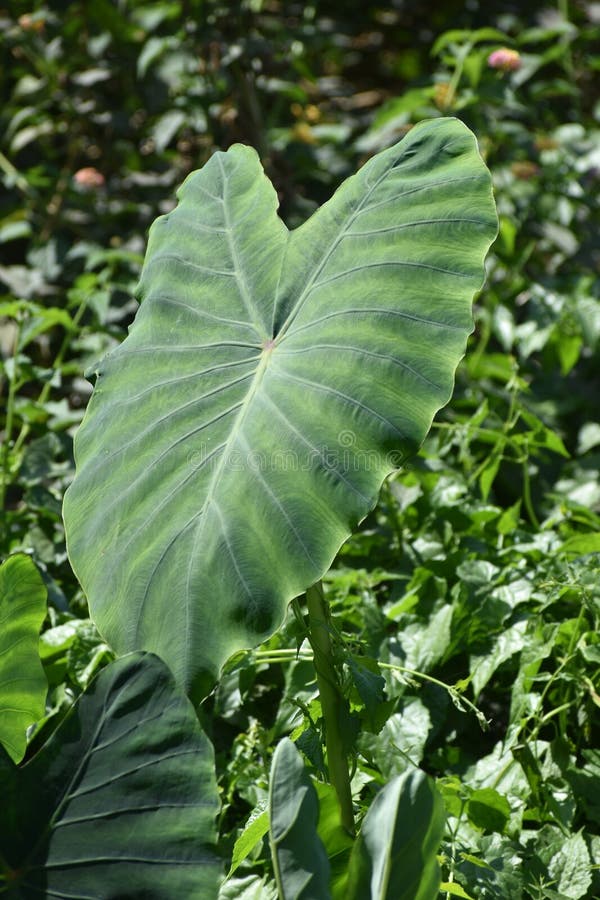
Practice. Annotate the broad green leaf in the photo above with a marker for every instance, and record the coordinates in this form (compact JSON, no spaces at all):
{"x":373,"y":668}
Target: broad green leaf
{"x":395,"y":856}
{"x":269,"y":384}
{"x":505,"y":645}
{"x":489,"y":810}
{"x":120,"y":802}
{"x":299,"y":859}
{"x":401,"y":742}
{"x":252,"y":887}
{"x":496,"y":871}
{"x":420,"y":646}
{"x":582,"y":543}
{"x":23,"y":684}
{"x":571,"y":867}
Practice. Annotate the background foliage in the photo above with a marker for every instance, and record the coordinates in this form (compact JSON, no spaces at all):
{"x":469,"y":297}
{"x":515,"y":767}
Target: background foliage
{"x":475,"y":581}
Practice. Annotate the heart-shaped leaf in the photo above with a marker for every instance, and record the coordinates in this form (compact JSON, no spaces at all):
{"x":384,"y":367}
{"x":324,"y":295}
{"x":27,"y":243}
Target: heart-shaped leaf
{"x":120,"y":802}
{"x":23,"y":685}
{"x":271,"y":381}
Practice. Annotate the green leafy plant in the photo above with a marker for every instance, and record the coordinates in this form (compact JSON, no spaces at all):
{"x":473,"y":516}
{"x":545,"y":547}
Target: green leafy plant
{"x":284,"y":341}
{"x":457,"y":628}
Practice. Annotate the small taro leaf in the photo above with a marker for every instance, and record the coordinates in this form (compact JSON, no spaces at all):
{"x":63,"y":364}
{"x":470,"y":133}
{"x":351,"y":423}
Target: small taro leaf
{"x":270,"y":383}
{"x":489,"y":810}
{"x":121,"y":801}
{"x":395,"y":855}
{"x":23,"y":685}
{"x":299,"y":858}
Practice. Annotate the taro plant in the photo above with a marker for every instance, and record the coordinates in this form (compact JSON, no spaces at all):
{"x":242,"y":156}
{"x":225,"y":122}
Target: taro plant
{"x":272,"y":380}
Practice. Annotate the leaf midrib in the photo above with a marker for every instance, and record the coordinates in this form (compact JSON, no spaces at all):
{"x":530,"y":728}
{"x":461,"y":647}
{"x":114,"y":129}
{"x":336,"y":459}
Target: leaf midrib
{"x":237,"y":268}
{"x":236,"y":427}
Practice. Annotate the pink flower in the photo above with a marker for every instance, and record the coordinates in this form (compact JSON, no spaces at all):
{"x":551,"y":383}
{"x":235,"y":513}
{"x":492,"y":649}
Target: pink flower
{"x":89,"y":178}
{"x":29,"y":22}
{"x":505,"y":60}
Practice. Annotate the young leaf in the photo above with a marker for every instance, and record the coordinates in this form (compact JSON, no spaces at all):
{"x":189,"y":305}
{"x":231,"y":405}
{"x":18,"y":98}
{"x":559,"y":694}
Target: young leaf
{"x":488,"y":809}
{"x":254,"y":831}
{"x":394,"y":857}
{"x":400,"y":744}
{"x":455,"y":890}
{"x":252,"y":887}
{"x":571,"y":867}
{"x":299,"y":859}
{"x":582,"y":543}
{"x":120,"y":802}
{"x":269,"y":384}
{"x":23,"y":685}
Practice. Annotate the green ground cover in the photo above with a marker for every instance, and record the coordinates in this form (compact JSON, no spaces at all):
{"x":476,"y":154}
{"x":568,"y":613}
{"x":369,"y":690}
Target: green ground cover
{"x":465,"y":608}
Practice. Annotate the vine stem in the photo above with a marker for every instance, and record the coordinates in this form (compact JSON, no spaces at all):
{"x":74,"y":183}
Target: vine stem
{"x":332,"y":701}
{"x":447,"y":687}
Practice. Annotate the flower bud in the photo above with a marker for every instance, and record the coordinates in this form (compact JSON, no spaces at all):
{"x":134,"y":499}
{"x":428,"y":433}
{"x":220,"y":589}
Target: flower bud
{"x":89,"y":178}
{"x":504,"y":59}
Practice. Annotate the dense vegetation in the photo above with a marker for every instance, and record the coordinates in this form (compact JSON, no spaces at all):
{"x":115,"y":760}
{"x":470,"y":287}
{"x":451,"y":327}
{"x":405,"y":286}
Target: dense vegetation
{"x":466,"y":608}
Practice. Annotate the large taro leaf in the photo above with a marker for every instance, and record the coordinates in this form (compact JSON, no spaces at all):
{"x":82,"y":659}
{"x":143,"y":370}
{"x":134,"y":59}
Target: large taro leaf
{"x":271,"y":381}
{"x":23,"y":685}
{"x":120,"y":802}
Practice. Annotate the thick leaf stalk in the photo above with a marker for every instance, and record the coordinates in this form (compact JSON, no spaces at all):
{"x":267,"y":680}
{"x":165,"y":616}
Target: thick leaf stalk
{"x":332,"y":700}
